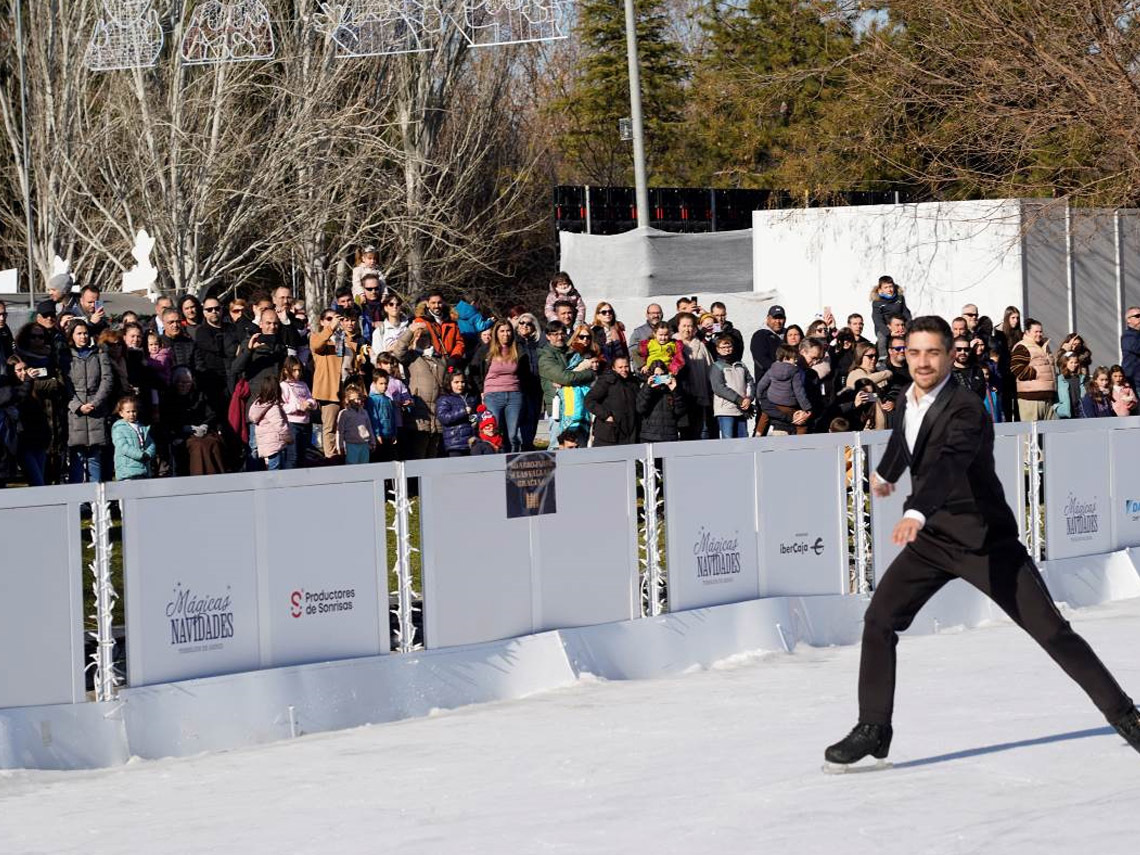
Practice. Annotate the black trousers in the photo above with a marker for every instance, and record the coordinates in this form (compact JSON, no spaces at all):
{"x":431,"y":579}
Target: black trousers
{"x":1007,"y":575}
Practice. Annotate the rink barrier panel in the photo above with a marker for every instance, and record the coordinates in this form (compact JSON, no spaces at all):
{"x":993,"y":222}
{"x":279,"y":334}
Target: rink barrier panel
{"x":41,"y":605}
{"x":488,"y":577}
{"x":256,"y":707}
{"x":295,"y":570}
{"x":1091,"y":477}
{"x":571,"y":569}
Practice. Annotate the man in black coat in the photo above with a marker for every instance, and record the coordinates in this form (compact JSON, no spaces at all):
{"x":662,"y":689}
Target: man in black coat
{"x":210,"y":362}
{"x":900,"y":374}
{"x":263,"y":354}
{"x":765,"y":341}
{"x":965,"y":372}
{"x":957,"y":525}
{"x":612,"y":401}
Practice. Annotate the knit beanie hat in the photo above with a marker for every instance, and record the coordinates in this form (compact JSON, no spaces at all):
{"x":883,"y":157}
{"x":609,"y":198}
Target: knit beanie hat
{"x":488,"y":427}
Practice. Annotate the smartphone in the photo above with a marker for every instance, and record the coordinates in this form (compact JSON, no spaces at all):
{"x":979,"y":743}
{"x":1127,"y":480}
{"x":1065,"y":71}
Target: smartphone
{"x":660,"y":379}
{"x":267,"y":340}
{"x":98,"y":305}
{"x":872,"y":396}
{"x":37,"y":373}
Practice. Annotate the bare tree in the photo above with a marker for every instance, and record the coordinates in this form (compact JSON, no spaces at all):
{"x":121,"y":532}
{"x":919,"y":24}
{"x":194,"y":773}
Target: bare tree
{"x":271,"y":167}
{"x":1006,"y":97}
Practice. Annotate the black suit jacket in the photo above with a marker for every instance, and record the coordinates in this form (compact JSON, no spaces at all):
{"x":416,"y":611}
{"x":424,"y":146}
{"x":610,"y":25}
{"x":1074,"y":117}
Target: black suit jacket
{"x":954,"y":484}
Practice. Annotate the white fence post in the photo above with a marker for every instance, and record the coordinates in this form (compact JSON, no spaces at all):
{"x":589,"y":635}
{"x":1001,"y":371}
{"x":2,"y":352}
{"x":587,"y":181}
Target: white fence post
{"x":861,"y":517}
{"x":1035,"y":534}
{"x":405,"y":593}
{"x":105,"y":595}
{"x":652,"y":561}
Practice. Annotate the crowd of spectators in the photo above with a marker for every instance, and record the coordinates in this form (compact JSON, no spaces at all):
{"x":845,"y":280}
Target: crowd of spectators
{"x":207,"y":386}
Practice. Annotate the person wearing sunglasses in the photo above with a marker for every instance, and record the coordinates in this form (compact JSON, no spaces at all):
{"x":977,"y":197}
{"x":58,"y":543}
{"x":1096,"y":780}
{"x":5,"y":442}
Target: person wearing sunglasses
{"x":609,"y":333}
{"x":965,"y":371}
{"x":977,"y":325}
{"x":864,"y":367}
{"x":1130,"y":346}
{"x":211,"y":365}
{"x":900,"y":373}
{"x":529,"y":340}
{"x":583,"y":357}
{"x":391,"y":326}
{"x":555,"y":371}
{"x":372,"y":299}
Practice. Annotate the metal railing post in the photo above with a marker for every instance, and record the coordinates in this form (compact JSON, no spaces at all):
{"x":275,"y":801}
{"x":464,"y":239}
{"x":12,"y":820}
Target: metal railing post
{"x":651,"y":488}
{"x":1035,"y":534}
{"x":405,"y":593}
{"x":859,"y":497}
{"x":103,"y":658}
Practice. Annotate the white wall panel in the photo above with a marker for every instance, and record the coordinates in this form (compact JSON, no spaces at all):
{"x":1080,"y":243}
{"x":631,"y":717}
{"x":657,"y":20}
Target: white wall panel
{"x":41,"y":606}
{"x":585,"y":569}
{"x":803,"y":526}
{"x":711,"y":542}
{"x":191,"y":586}
{"x":477,"y":584}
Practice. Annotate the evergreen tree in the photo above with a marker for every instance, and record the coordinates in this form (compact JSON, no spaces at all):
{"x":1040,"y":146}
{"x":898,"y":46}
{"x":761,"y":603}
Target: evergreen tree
{"x":597,"y":97}
{"x":765,"y":108}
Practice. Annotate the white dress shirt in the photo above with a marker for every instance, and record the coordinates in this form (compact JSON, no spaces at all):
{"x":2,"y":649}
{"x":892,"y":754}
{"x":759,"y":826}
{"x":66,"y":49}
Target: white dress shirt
{"x":916,"y":409}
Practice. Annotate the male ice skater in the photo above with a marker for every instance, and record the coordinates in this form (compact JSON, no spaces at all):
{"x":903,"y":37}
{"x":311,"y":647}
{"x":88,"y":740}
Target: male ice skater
{"x":957,"y":525}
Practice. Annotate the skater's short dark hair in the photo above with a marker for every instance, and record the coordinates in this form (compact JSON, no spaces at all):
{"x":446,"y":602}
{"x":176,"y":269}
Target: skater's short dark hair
{"x":932,"y":324}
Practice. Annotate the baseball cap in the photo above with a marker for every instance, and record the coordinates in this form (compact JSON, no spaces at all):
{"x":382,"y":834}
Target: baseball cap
{"x":776,"y":312}
{"x":46,"y":309}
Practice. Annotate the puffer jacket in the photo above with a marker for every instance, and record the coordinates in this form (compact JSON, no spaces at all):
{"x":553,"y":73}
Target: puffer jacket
{"x":271,"y":425}
{"x":471,"y":322}
{"x":451,"y":410}
{"x":731,"y":382}
{"x":133,"y":453}
{"x":425,"y":375}
{"x":661,"y":412}
{"x":613,"y":396}
{"x":883,"y":310}
{"x":572,"y":412}
{"x":89,"y":381}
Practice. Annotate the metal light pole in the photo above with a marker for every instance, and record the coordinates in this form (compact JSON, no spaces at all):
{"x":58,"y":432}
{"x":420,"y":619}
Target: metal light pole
{"x":640,"y":180}
{"x":24,"y":133}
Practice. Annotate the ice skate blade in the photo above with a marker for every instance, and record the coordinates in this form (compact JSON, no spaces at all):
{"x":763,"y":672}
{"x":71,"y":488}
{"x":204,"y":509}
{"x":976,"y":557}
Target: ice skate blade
{"x":853,"y":768}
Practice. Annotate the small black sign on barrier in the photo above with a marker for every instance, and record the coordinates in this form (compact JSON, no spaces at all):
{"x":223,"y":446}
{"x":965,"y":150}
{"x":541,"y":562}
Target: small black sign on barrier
{"x":530,"y":484}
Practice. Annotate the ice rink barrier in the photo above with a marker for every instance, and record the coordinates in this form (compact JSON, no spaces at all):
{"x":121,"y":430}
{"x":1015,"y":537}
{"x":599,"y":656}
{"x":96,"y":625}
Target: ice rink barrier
{"x":258,"y":606}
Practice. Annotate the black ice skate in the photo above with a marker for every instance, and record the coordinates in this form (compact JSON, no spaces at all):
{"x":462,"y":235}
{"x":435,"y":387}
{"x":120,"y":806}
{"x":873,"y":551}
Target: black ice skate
{"x":1128,"y":726}
{"x":864,"y":740}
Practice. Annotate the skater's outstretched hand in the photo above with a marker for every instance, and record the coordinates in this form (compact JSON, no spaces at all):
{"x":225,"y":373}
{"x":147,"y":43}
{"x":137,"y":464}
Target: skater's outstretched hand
{"x":879,"y":487}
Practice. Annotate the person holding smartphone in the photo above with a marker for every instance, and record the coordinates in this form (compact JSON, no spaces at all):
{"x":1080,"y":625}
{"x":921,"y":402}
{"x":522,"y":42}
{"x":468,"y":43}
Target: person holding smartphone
{"x":91,"y":304}
{"x":661,"y":404}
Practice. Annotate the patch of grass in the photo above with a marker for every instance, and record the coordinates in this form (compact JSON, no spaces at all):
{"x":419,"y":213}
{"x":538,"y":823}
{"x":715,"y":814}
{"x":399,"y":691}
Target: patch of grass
{"x":118,"y":615}
{"x":416,"y":557}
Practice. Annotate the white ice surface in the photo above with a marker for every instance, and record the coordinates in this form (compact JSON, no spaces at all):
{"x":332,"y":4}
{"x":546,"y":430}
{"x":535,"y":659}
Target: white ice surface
{"x":995,"y":752}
